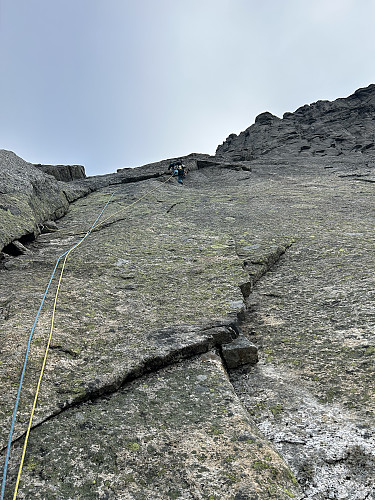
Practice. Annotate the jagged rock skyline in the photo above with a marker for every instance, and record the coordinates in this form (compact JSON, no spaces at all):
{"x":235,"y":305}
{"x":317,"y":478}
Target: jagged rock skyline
{"x":323,"y":128}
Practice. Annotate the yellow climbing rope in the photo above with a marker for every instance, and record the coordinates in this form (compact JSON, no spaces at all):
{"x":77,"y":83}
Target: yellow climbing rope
{"x":41,"y":375}
{"x":95,"y":226}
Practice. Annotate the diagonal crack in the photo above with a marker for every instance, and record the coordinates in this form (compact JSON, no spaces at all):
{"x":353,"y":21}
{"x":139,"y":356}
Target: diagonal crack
{"x":259,"y":262}
{"x":179,"y":342}
{"x":174,"y":204}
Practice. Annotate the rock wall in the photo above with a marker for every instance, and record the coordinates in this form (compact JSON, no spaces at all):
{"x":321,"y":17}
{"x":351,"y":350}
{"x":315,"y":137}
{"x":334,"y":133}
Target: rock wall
{"x":211,"y":341}
{"x":66,"y":173}
{"x":344,"y":126}
{"x":157,"y":295}
{"x":27,"y":198}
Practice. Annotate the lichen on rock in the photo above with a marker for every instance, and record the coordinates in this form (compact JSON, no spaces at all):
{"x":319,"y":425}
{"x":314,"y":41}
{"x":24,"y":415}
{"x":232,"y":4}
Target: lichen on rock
{"x":269,"y":259}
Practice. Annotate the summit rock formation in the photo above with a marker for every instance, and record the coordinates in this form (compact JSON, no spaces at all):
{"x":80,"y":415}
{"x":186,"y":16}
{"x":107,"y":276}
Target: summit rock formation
{"x":211,"y":341}
{"x":320,"y":129}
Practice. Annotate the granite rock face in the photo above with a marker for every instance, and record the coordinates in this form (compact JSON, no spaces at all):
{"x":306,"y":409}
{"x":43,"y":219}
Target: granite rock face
{"x":30,"y":196}
{"x":66,"y":173}
{"x":138,"y":299}
{"x":324,"y":128}
{"x":211,"y":341}
{"x":27,"y":197}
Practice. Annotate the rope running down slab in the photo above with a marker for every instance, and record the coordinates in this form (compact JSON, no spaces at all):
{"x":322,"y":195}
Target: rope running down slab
{"x":66,"y":254}
{"x":29,"y":345}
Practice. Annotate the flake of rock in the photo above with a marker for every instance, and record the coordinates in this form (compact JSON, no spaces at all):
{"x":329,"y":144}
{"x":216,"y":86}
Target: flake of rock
{"x":240,"y":352}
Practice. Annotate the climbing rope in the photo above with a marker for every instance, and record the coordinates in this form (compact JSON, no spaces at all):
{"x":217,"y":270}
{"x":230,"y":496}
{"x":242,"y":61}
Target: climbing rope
{"x":132,"y":204}
{"x":124,"y":208}
{"x":29,"y":345}
{"x":66,"y":254}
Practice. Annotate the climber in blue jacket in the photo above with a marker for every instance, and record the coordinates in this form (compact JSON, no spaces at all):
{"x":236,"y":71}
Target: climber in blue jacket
{"x":181,"y":173}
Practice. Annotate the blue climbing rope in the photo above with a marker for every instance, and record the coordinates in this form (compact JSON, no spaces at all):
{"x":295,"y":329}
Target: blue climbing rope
{"x":28,"y":349}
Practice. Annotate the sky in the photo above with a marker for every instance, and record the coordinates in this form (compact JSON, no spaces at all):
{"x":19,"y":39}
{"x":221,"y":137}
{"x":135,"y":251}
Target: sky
{"x":120,"y":83}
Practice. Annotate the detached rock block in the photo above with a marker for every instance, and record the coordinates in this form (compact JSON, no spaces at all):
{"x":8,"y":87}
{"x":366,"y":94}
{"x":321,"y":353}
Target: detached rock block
{"x":240,"y":352}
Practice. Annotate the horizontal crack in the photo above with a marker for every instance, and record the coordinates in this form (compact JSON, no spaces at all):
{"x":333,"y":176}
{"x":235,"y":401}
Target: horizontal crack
{"x":65,"y":350}
{"x":214,"y":335}
{"x":104,"y":225}
{"x":289,"y":441}
{"x":366,"y":180}
{"x":140,"y":178}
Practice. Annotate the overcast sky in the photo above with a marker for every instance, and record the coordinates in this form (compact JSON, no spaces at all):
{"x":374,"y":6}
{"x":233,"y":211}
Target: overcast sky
{"x":115,"y":83}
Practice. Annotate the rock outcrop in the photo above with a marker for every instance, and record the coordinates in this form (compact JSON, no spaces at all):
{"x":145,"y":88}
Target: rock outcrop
{"x":66,"y":173}
{"x":211,"y":341}
{"x":27,"y":198}
{"x":344,"y":126}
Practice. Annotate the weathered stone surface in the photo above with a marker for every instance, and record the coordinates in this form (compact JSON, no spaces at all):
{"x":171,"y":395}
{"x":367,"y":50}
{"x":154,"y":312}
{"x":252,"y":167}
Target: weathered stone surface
{"x":294,"y":236}
{"x":66,"y":173}
{"x":49,"y":226}
{"x":324,"y":128}
{"x":134,"y":396}
{"x":312,"y":392}
{"x":135,"y":296}
{"x":160,"y":437}
{"x":27,"y":197}
{"x":135,"y":301}
{"x":240,"y":352}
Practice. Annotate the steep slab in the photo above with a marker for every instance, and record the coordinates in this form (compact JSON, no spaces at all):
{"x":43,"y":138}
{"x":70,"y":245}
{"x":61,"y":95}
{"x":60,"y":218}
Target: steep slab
{"x":178,"y":433}
{"x":148,"y":286}
{"x":170,"y":271}
{"x":31,"y":194}
{"x":312,"y":392}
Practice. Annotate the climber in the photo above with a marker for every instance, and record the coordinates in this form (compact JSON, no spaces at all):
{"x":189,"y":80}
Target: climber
{"x":174,"y":167}
{"x":181,"y":173}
